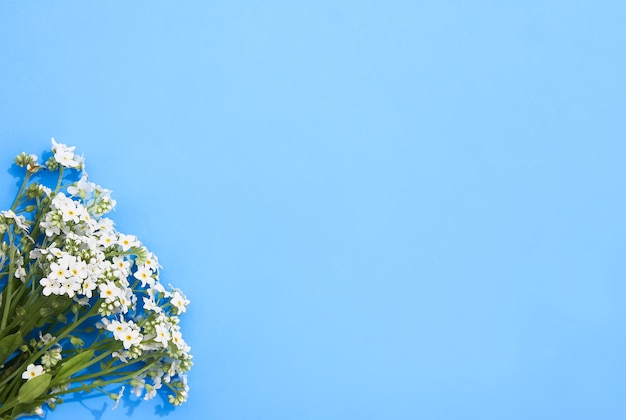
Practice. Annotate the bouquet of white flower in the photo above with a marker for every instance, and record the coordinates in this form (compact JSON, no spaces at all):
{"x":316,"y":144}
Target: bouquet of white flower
{"x":81,"y":305}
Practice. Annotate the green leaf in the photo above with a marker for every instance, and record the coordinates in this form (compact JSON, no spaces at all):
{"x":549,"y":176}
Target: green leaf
{"x":72,"y":365}
{"x":34,"y":388}
{"x":9,"y":344}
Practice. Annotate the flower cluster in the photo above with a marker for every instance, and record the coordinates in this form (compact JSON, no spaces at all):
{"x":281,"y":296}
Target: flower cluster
{"x":98,"y":315}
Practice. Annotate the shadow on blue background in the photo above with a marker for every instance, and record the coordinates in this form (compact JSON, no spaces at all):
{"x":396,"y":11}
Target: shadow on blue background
{"x":405,"y":210}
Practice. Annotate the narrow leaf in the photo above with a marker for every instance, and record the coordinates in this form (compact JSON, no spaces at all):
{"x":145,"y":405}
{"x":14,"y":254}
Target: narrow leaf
{"x":34,"y":388}
{"x":72,"y":365}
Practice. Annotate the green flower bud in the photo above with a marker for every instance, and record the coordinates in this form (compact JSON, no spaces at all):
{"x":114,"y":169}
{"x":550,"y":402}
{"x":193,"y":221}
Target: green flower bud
{"x":52,"y":164}
{"x":21,"y":159}
{"x":46,"y":312}
{"x":33,"y":191}
{"x":76,"y":342}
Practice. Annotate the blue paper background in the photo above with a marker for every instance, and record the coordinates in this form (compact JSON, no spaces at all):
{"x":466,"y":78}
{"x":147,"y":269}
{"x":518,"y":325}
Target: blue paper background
{"x":380,"y":210}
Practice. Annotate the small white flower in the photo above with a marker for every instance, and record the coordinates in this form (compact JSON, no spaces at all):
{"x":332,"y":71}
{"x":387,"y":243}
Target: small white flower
{"x":121,"y":266}
{"x":46,"y":338}
{"x":127,"y":242}
{"x":20,"y":273}
{"x":20,"y":221}
{"x":119,"y":397}
{"x":116,"y":327}
{"x":131,"y":337}
{"x":50,"y":228}
{"x":39,"y":412}
{"x":82,"y":187}
{"x":78,"y":269}
{"x":139,"y":384}
{"x":64,"y":155}
{"x":46,"y":190}
{"x":70,"y":286}
{"x":122,"y":356}
{"x":177,"y":339}
{"x":82,"y":301}
{"x":144,"y":275}
{"x":109,"y":291}
{"x":58,"y":271}
{"x":105,"y":225}
{"x":32,"y":371}
{"x":150,"y":305}
{"x":50,"y":286}
{"x":162,"y":334}
{"x":107,"y":240}
{"x":88,"y":288}
{"x":179,"y":301}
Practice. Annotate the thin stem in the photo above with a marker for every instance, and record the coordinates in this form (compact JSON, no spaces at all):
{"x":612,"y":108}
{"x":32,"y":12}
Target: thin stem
{"x":56,"y":189}
{"x":8,"y":290}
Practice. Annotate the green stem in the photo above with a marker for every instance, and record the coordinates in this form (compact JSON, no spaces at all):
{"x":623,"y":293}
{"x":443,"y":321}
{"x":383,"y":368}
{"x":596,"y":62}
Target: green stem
{"x":118,"y":368}
{"x":56,"y":189}
{"x":19,"y":193}
{"x":8,"y":290}
{"x":63,"y":333}
{"x":103,"y":384}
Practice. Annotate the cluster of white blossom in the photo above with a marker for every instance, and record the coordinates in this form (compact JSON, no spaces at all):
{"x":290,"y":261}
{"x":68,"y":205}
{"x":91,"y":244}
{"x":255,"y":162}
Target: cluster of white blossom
{"x":84,"y":258}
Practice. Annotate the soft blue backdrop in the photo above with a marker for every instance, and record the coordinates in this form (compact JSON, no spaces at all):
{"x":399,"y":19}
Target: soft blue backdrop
{"x":379,"y":209}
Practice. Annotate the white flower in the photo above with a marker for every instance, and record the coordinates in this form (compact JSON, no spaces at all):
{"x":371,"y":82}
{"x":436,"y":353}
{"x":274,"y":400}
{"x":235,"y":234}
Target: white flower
{"x":9,"y":214}
{"x":32,"y":371}
{"x":58,"y":271}
{"x":82,"y":301}
{"x":121,"y":266}
{"x":131,"y":337}
{"x":150,"y":305}
{"x":78,"y":269}
{"x":109,"y":291}
{"x":82,"y":187}
{"x":139,"y":384}
{"x":122,"y":356}
{"x":151,"y":262}
{"x":107,"y":240}
{"x":144,"y":275}
{"x":179,"y":301}
{"x":20,"y":273}
{"x":162,"y":334}
{"x":116,"y":327}
{"x":20,"y":221}
{"x":127,"y":242}
{"x":105,"y":225}
{"x":46,"y":190}
{"x":70,"y":286}
{"x":51,"y":229}
{"x":46,"y":338}
{"x":50,"y":286}
{"x":118,"y":397}
{"x":126,"y":299}
{"x":70,"y":210}
{"x":177,"y":339}
{"x":88,"y":287}
{"x":151,"y":390}
{"x":64,"y":155}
